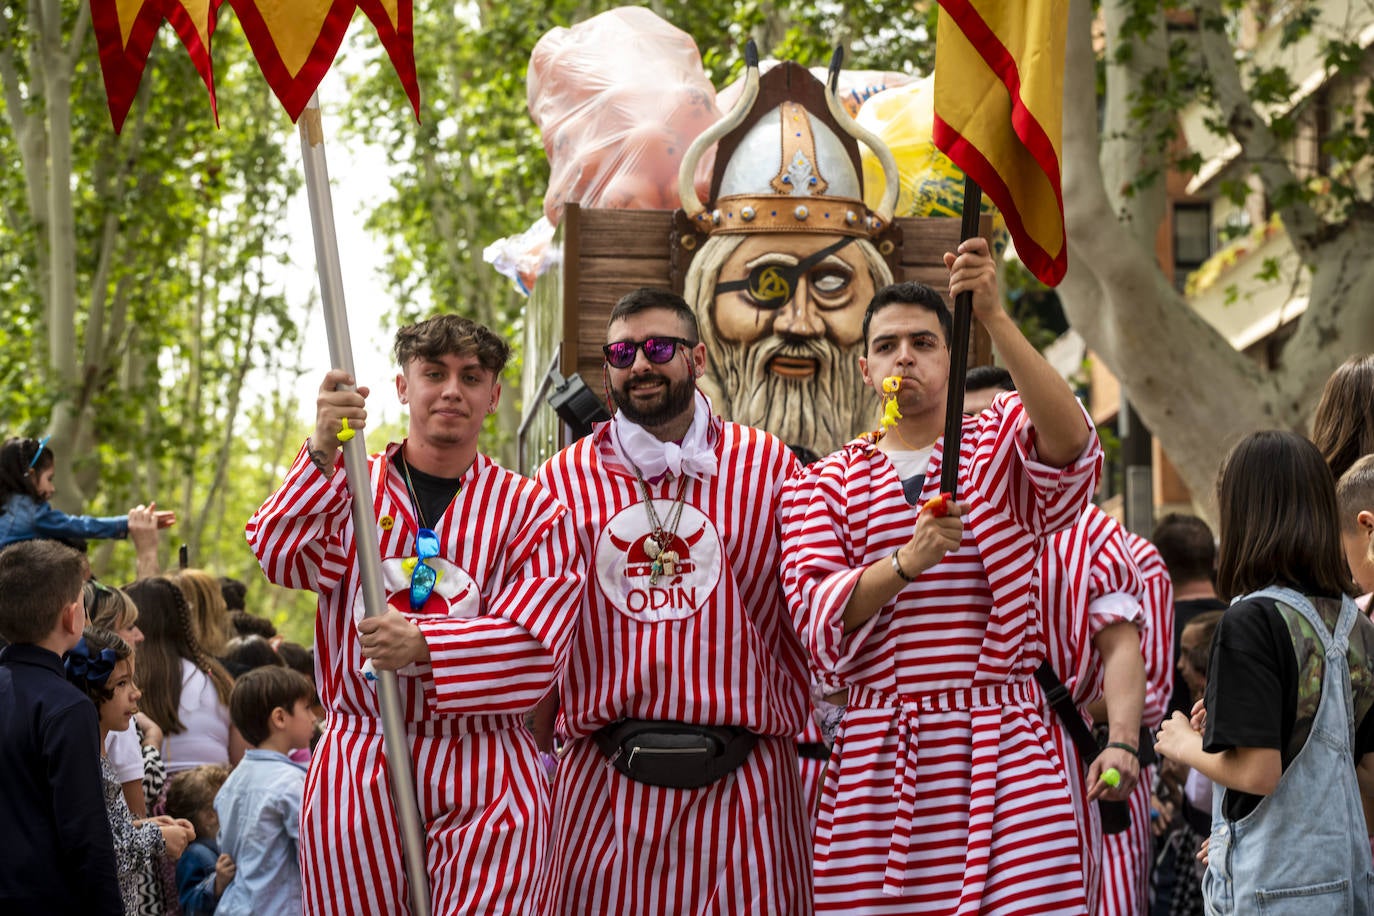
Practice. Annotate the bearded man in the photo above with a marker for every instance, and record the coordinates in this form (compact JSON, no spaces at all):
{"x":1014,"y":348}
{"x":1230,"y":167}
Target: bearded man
{"x":678,"y":789}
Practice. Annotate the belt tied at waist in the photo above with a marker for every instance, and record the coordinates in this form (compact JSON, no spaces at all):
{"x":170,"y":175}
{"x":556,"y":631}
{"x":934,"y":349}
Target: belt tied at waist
{"x":441,"y":727}
{"x":982,"y":703}
{"x":948,"y":700}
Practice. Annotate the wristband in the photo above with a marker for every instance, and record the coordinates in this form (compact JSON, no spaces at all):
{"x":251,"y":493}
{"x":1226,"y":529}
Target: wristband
{"x":1123,"y":746}
{"x":897,"y":568}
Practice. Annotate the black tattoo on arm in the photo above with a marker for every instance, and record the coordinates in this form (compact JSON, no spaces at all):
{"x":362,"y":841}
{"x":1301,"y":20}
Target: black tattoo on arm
{"x":321,"y":459}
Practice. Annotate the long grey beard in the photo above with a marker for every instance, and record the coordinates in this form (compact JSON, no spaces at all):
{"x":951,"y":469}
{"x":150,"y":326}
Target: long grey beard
{"x":821,"y":413}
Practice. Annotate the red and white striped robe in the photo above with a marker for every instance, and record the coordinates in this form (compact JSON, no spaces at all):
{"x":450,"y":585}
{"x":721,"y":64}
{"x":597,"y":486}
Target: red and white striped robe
{"x":712,"y":645}
{"x":497,"y":627}
{"x":943,"y":794}
{"x":1087,"y":581}
{"x":1127,"y":855}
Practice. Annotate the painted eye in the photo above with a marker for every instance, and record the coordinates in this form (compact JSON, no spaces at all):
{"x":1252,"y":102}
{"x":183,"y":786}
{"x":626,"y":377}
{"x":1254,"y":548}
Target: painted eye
{"x":830,"y":281}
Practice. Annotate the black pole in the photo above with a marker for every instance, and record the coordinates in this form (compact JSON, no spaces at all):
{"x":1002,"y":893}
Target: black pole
{"x":958,"y":351}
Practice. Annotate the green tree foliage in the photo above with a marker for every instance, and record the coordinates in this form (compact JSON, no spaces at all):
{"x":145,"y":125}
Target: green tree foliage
{"x":1229,"y":67}
{"x":137,"y":304}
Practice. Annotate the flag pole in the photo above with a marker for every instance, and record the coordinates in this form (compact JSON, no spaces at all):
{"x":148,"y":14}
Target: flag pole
{"x":958,"y":351}
{"x":399,"y":764}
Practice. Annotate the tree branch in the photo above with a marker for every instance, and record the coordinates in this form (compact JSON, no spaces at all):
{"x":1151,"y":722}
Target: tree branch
{"x":1133,"y":145}
{"x":78,"y":37}
{"x":1259,"y":147}
{"x":1116,"y":297}
{"x":14,"y":98}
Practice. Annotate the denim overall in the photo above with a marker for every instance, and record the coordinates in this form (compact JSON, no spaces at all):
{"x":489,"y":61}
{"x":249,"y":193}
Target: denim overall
{"x":1304,"y":850}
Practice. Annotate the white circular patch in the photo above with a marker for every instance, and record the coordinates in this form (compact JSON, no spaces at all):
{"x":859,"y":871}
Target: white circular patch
{"x":624,"y":568}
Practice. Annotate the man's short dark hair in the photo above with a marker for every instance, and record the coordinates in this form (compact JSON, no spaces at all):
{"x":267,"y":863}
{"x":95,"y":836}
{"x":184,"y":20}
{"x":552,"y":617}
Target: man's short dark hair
{"x":37,"y":580}
{"x":259,"y":692}
{"x":981,"y":378}
{"x":446,"y":335}
{"x":1187,"y":546}
{"x":646,"y":298}
{"x":909,"y":293}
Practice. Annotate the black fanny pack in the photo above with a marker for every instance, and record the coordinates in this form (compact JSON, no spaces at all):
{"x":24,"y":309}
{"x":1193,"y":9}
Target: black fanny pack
{"x":674,"y":755}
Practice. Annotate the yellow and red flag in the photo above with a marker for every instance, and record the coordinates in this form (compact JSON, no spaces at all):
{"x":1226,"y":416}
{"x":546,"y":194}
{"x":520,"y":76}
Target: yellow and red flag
{"x":124,"y":33}
{"x":999,"y":104}
{"x":294,"y":42}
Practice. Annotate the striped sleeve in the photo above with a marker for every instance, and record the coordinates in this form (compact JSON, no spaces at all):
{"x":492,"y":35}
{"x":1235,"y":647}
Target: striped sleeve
{"x":1157,"y":636}
{"x":297,"y":534}
{"x":505,"y":660}
{"x":823,"y":561}
{"x":1007,"y":472}
{"x":1116,"y":589}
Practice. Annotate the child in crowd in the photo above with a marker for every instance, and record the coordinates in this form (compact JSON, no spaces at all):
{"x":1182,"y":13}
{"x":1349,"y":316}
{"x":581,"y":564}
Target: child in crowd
{"x":185,"y":691}
{"x":299,"y":658}
{"x":101,"y":666}
{"x":203,"y":872}
{"x":259,"y":806}
{"x":1289,"y":660}
{"x":1355,"y":495}
{"x":1182,"y":806}
{"x":244,"y":653}
{"x":26,"y":485}
{"x":132,"y":752}
{"x":59,"y":856}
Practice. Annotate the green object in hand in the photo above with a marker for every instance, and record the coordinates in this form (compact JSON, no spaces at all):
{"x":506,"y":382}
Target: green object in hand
{"x":1111,"y":776}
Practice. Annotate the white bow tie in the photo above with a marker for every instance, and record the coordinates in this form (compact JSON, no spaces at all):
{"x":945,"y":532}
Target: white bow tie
{"x":638,"y":448}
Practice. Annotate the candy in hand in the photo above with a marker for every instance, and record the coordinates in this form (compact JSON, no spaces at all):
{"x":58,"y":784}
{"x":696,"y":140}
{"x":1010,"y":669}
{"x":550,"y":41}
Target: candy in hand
{"x":938,"y":505}
{"x":344,"y":432}
{"x":1111,"y":776}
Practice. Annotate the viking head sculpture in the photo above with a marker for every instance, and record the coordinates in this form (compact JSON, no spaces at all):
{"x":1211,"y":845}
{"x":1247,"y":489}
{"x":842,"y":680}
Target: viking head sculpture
{"x":790,"y":259}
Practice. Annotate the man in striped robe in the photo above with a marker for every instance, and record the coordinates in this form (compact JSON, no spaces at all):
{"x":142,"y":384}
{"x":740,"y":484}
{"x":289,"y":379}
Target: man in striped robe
{"x":1089,"y":592}
{"x":943,"y":794}
{"x":683,"y":630}
{"x":482,"y":574}
{"x":1127,"y":855}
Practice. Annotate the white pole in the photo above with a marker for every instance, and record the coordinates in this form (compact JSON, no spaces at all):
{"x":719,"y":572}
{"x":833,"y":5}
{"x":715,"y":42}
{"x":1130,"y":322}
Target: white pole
{"x":399,"y":764}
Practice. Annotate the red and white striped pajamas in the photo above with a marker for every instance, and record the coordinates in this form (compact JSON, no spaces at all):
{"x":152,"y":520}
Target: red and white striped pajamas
{"x":710,"y":645}
{"x":1087,"y":581}
{"x":1127,"y":855}
{"x":497,"y":626}
{"x":943,"y":794}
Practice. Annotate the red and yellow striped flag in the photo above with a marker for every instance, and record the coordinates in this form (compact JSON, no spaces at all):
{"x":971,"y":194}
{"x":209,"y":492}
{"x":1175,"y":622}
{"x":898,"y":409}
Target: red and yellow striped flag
{"x":124,"y":33}
{"x":999,"y":102}
{"x":295,"y":43}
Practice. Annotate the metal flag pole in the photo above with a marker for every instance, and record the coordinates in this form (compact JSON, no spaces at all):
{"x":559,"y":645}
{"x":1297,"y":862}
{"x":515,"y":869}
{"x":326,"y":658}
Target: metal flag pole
{"x":399,"y":764}
{"x":958,"y":351}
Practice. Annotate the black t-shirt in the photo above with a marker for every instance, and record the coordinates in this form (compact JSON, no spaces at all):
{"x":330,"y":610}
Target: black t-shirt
{"x":1184,"y":612}
{"x":1256,"y":696}
{"x":433,"y":493}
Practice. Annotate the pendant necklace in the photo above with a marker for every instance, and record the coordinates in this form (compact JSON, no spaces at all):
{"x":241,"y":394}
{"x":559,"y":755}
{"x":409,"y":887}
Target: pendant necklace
{"x":663,"y":561}
{"x":422,"y":576}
